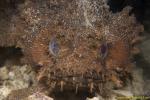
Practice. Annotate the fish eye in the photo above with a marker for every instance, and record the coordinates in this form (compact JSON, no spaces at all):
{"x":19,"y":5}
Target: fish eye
{"x":53,"y":47}
{"x":103,"y":50}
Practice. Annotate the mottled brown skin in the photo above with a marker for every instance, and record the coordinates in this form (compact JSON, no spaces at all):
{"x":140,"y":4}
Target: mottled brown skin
{"x":80,"y":62}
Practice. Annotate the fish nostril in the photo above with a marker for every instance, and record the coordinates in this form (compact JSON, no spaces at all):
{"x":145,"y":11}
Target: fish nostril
{"x":54,"y":47}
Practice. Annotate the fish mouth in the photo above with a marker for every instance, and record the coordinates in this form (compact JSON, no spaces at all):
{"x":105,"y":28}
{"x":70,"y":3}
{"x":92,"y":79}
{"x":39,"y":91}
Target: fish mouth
{"x":76,"y":87}
{"x":77,"y":83}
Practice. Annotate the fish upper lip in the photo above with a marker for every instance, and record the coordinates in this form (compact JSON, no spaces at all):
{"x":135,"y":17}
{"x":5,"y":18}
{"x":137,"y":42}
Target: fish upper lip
{"x":77,"y":79}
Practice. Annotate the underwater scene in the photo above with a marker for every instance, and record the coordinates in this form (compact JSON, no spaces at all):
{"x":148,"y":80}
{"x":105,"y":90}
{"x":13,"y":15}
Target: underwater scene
{"x":74,"y":49}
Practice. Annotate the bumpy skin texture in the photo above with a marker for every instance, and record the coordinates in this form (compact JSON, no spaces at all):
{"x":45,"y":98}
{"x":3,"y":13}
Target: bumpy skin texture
{"x":78,"y":43}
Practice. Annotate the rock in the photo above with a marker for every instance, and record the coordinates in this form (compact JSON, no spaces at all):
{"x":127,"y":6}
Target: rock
{"x":94,"y":98}
{"x":4,"y":73}
{"x":17,"y":78}
{"x":4,"y":91}
{"x":39,"y":96}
